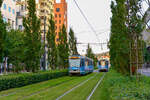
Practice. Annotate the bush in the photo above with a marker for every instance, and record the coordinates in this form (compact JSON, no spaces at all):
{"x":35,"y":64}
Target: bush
{"x":124,"y":88}
{"x":13,"y":81}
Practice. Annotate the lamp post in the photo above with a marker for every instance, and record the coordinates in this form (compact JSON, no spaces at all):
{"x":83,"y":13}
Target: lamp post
{"x":44,"y":57}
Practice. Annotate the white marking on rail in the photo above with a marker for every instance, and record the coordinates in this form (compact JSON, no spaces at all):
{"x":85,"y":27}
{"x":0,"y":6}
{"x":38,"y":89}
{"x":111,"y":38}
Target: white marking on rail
{"x":95,"y":87}
{"x":75,"y":87}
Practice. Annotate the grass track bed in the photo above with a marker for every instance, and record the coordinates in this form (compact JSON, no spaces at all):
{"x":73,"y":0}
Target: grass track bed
{"x":43,"y":91}
{"x":101,"y":92}
{"x":82,"y":92}
{"x":31,"y":89}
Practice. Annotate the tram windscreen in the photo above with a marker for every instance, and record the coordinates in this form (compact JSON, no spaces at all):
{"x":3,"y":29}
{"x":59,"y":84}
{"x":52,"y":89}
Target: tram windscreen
{"x":102,"y":63}
{"x":74,"y":62}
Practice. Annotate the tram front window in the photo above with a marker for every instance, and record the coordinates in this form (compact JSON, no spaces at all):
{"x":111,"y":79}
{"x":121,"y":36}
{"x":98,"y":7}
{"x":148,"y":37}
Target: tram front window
{"x":74,"y":62}
{"x":102,"y":63}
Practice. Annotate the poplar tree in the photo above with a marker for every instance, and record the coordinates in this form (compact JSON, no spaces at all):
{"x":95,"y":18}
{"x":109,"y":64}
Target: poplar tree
{"x":2,"y":34}
{"x":63,"y":48}
{"x":126,"y":26}
{"x":119,"y":40}
{"x":32,"y":38}
{"x":90,"y":54}
{"x":72,"y":42}
{"x":52,"y":49}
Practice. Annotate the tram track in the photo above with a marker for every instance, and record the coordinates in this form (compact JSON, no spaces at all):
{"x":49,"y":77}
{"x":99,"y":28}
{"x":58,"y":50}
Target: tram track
{"x":57,"y":90}
{"x":82,"y":83}
{"x":72,"y":92}
{"x":98,"y":83}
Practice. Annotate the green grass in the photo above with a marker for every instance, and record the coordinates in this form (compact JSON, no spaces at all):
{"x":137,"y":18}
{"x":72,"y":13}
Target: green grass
{"x":101,"y":92}
{"x":118,"y":87}
{"x":48,"y":90}
{"x":82,"y":92}
{"x":53,"y":93}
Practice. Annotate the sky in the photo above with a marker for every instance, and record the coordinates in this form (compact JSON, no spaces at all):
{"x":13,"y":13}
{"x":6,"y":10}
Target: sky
{"x":98,"y":13}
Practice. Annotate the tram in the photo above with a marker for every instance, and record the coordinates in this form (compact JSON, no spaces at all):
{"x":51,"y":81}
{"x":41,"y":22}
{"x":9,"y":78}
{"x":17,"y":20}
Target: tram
{"x":80,"y":65}
{"x":103,"y":65}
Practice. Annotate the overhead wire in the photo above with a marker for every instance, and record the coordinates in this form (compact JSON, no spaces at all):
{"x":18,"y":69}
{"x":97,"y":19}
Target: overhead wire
{"x":86,"y":20}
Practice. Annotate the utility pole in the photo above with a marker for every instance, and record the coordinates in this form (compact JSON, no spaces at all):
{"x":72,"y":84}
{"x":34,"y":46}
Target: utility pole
{"x":44,"y":57}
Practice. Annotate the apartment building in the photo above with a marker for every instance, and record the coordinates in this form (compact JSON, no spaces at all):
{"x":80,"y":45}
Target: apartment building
{"x":45,"y":11}
{"x":8,"y":11}
{"x":60,"y":16}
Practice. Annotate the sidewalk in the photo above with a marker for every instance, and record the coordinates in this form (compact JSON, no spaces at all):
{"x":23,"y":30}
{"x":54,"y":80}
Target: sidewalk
{"x":144,"y":71}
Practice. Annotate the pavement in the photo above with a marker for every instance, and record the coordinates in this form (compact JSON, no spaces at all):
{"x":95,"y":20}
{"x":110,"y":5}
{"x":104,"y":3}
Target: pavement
{"x":144,"y":71}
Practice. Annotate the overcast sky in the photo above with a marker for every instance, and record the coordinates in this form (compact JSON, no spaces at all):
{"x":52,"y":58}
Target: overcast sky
{"x":98,"y":13}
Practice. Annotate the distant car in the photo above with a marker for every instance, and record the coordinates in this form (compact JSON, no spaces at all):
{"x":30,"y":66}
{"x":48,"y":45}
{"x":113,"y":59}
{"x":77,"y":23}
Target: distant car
{"x":80,"y":65}
{"x":103,"y":65}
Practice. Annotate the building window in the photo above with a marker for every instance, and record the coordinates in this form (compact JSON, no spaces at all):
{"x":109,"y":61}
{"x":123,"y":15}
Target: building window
{"x":56,"y":15}
{"x":9,"y":9}
{"x":56,"y":21}
{"x":57,"y":39}
{"x":59,"y":27}
{"x":57,"y":9}
{"x":13,"y":11}
{"x":20,"y":27}
{"x":5,"y":7}
{"x":4,"y":19}
{"x":56,"y":27}
{"x":13,"y":22}
{"x":59,"y":21}
{"x":59,"y":15}
{"x":21,"y":7}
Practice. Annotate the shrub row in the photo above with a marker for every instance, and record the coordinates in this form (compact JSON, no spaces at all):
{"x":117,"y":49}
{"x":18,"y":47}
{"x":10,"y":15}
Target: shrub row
{"x":121,"y":87}
{"x":14,"y":81}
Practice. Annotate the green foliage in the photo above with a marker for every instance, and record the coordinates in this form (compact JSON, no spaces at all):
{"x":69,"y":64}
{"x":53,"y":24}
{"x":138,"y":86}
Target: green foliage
{"x":116,"y":86}
{"x":2,"y":35}
{"x":124,"y":88}
{"x":13,"y":81}
{"x":32,"y":38}
{"x":63,"y":49}
{"x":119,"y":40}
{"x":90,"y":54}
{"x":52,"y":51}
{"x":72,"y":42}
{"x":15,"y":48}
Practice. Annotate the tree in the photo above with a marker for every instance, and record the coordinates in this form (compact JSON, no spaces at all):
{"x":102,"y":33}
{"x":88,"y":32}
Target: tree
{"x":2,"y":35}
{"x":90,"y":54}
{"x":15,"y":49}
{"x":63,"y":48}
{"x":125,"y":35}
{"x":52,"y":49}
{"x":32,"y":38}
{"x":72,"y":42}
{"x":119,"y":40}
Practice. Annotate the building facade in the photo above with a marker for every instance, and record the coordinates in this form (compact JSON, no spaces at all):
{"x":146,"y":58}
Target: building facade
{"x":45,"y":10}
{"x":8,"y":11}
{"x":21,"y":11}
{"x":60,"y":16}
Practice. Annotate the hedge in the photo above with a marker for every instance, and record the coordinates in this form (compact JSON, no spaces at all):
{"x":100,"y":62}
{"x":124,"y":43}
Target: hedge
{"x":14,"y":81}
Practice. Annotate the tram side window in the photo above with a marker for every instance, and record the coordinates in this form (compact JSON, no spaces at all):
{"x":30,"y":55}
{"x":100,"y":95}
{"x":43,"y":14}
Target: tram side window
{"x":106,"y":62}
{"x":99,"y":62}
{"x":82,"y":62}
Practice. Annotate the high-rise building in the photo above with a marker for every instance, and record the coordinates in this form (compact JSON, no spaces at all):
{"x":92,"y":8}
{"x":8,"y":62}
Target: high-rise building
{"x":21,"y":11}
{"x":45,"y":11}
{"x":8,"y":11}
{"x":60,"y":16}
